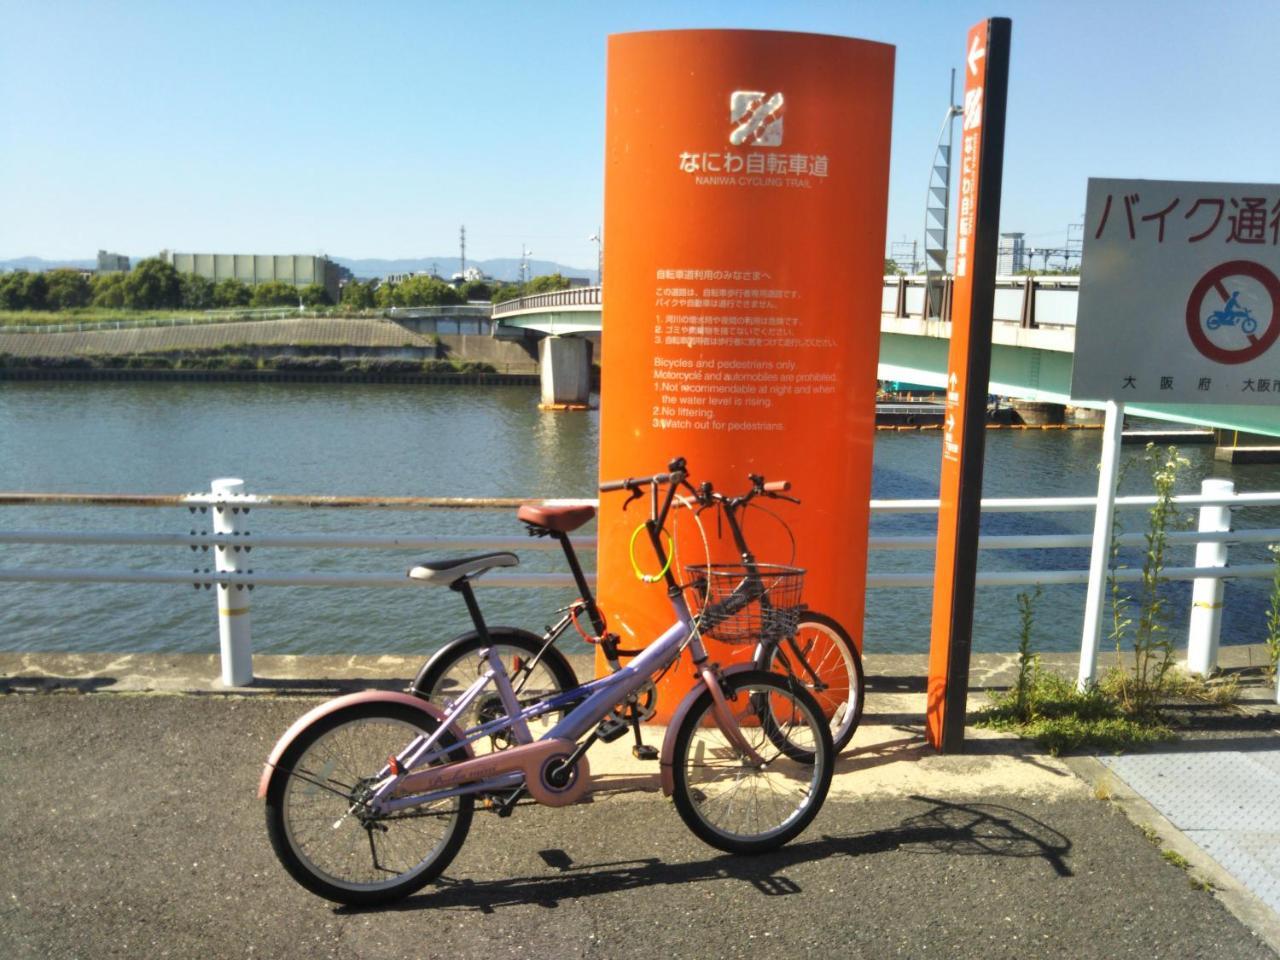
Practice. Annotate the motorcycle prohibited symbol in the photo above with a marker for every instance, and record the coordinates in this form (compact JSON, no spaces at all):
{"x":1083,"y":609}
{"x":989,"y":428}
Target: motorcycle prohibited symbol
{"x":1215,"y":303}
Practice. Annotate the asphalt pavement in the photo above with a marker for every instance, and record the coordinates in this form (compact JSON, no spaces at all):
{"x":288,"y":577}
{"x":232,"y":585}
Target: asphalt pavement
{"x":132,"y":829}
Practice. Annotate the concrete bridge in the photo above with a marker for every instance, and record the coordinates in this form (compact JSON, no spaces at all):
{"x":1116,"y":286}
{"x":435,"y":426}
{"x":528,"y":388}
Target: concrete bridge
{"x":1033,"y":343}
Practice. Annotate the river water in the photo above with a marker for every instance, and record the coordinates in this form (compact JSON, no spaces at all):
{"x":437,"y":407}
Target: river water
{"x":458,"y":441}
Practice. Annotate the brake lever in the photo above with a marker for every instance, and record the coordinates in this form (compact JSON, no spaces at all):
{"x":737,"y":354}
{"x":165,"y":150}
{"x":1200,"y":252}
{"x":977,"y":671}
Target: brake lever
{"x":635,"y":495}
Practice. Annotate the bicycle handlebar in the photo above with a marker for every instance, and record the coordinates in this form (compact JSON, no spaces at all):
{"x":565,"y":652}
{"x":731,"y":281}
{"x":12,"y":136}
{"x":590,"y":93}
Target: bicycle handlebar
{"x":635,"y":483}
{"x":677,"y":475}
{"x":777,"y":486}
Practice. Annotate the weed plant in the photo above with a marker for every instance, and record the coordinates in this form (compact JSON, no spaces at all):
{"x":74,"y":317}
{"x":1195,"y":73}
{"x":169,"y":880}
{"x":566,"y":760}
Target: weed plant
{"x":1123,"y":710}
{"x":1140,"y":690}
{"x":1272,"y":637}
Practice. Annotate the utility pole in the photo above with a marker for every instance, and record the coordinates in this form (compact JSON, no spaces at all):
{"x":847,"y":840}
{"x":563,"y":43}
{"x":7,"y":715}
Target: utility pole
{"x":462,"y":250}
{"x":598,"y":239}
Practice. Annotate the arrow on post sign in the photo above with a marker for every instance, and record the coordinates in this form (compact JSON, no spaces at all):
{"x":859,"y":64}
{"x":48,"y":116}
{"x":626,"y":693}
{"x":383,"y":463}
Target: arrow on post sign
{"x":976,"y":53}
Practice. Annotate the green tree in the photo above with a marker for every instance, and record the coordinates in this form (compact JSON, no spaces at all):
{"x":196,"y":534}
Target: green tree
{"x":108,"y":290}
{"x":891,"y":268}
{"x":66,"y":289}
{"x":475,"y":290}
{"x":15,"y":288}
{"x":23,"y":290}
{"x":505,"y":291}
{"x":231,"y":292}
{"x":152,"y":285}
{"x":547,"y":283}
{"x":357,"y":295}
{"x":386,"y":295}
{"x":315,"y":295}
{"x":275,"y":293}
{"x":423,"y":291}
{"x":197,"y":291}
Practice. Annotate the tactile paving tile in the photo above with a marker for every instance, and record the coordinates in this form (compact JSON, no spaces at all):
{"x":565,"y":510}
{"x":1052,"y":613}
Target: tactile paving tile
{"x":1252,"y":858}
{"x":1227,"y":803}
{"x":1212,"y":790}
{"x":1270,"y":759}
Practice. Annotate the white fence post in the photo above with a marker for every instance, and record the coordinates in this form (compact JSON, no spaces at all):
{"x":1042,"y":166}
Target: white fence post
{"x":1100,"y":557}
{"x":1206,"y":593}
{"x":234,"y":640}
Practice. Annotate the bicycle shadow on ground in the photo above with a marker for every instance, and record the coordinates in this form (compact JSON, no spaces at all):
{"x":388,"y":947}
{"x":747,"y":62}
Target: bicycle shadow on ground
{"x":944,"y":828}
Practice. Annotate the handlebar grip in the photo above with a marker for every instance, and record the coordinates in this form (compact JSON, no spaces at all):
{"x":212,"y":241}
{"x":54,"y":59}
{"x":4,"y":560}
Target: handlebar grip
{"x":777,"y":486}
{"x":632,"y":483}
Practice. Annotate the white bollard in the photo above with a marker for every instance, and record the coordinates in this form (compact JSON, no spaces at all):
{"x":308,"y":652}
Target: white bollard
{"x":229,"y":521}
{"x":1100,"y":556}
{"x":1206,"y":594}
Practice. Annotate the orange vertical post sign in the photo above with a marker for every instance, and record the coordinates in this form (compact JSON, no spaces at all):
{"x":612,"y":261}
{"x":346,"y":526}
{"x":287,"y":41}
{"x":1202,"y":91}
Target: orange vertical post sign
{"x":968,"y":376}
{"x":746,"y":187}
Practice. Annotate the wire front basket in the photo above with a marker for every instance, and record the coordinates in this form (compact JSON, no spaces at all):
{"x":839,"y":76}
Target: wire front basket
{"x":743,"y":603}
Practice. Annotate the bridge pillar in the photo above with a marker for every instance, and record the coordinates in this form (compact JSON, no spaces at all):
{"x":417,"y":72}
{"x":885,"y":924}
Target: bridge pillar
{"x":565,"y":364}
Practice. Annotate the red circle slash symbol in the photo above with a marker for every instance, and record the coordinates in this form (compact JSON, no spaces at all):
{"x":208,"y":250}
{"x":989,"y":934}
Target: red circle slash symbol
{"x":1213,"y":288}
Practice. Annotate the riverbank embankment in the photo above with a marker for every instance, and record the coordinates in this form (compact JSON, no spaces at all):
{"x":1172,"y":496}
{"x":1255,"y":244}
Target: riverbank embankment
{"x":322,"y":347}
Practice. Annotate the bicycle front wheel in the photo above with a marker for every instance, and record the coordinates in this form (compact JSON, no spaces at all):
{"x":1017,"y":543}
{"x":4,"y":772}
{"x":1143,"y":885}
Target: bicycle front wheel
{"x":323,"y":832}
{"x":734,"y":803}
{"x":822,"y":658}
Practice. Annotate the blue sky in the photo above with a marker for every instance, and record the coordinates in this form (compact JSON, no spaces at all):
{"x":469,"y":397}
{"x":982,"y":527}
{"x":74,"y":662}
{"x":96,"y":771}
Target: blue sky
{"x":375,"y":129}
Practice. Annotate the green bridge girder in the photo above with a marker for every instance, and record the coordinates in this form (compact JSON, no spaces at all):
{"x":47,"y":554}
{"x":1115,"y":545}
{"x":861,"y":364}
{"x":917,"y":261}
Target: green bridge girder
{"x":1026,"y":373}
{"x":1029,"y":373}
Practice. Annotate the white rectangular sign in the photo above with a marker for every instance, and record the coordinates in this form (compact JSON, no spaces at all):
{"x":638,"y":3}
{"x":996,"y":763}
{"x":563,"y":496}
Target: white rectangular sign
{"x":1179,"y":293}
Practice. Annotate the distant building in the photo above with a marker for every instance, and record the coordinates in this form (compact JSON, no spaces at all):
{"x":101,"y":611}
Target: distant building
{"x":579,"y":281}
{"x":470,"y":275}
{"x":402,"y":277}
{"x":1012,"y":255}
{"x":254,"y":268}
{"x":112,"y":262}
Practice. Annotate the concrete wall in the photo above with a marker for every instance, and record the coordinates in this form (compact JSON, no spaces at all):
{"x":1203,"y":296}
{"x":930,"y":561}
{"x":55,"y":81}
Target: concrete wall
{"x":502,"y":354}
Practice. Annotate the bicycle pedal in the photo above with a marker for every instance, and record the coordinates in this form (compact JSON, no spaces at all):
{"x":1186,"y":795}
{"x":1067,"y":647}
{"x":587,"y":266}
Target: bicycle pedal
{"x":610,"y":730}
{"x":642,"y":751}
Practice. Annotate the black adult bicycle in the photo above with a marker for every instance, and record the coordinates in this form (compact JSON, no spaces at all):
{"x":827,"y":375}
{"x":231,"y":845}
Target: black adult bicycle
{"x":746,"y":602}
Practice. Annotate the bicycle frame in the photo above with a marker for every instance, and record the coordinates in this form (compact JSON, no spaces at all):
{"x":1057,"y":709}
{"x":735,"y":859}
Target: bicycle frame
{"x":406,"y":783}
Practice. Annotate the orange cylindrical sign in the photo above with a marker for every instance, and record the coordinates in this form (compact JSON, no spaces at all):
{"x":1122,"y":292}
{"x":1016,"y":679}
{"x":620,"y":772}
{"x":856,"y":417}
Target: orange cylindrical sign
{"x":746,"y":188}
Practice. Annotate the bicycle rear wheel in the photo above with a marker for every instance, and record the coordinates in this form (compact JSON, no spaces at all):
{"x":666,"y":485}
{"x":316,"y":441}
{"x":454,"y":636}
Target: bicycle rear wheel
{"x":822,"y":658}
{"x":733,"y":804}
{"x":324,"y":834}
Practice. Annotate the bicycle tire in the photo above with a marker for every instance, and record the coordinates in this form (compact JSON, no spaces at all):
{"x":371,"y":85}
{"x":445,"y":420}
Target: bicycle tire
{"x":829,"y":653}
{"x":711,"y":782}
{"x":457,"y":664}
{"x":332,"y":860}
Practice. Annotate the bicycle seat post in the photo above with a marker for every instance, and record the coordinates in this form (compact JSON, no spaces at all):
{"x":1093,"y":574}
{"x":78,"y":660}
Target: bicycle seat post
{"x":463,"y":586}
{"x":589,"y":599}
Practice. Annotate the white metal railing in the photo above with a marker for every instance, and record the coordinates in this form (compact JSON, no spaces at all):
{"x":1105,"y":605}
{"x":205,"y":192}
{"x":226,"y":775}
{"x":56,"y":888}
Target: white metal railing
{"x":571,"y":298}
{"x":229,"y":507}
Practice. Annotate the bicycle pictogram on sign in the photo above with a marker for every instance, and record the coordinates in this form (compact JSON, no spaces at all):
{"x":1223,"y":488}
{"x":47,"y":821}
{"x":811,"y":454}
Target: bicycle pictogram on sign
{"x":1215,"y":304}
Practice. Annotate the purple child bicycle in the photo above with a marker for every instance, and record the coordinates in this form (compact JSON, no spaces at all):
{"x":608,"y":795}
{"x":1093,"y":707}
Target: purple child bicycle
{"x":370,"y":796}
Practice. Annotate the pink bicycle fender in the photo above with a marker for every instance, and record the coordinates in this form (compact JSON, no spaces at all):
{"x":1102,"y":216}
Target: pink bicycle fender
{"x":666,"y":774}
{"x":328,"y":707}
